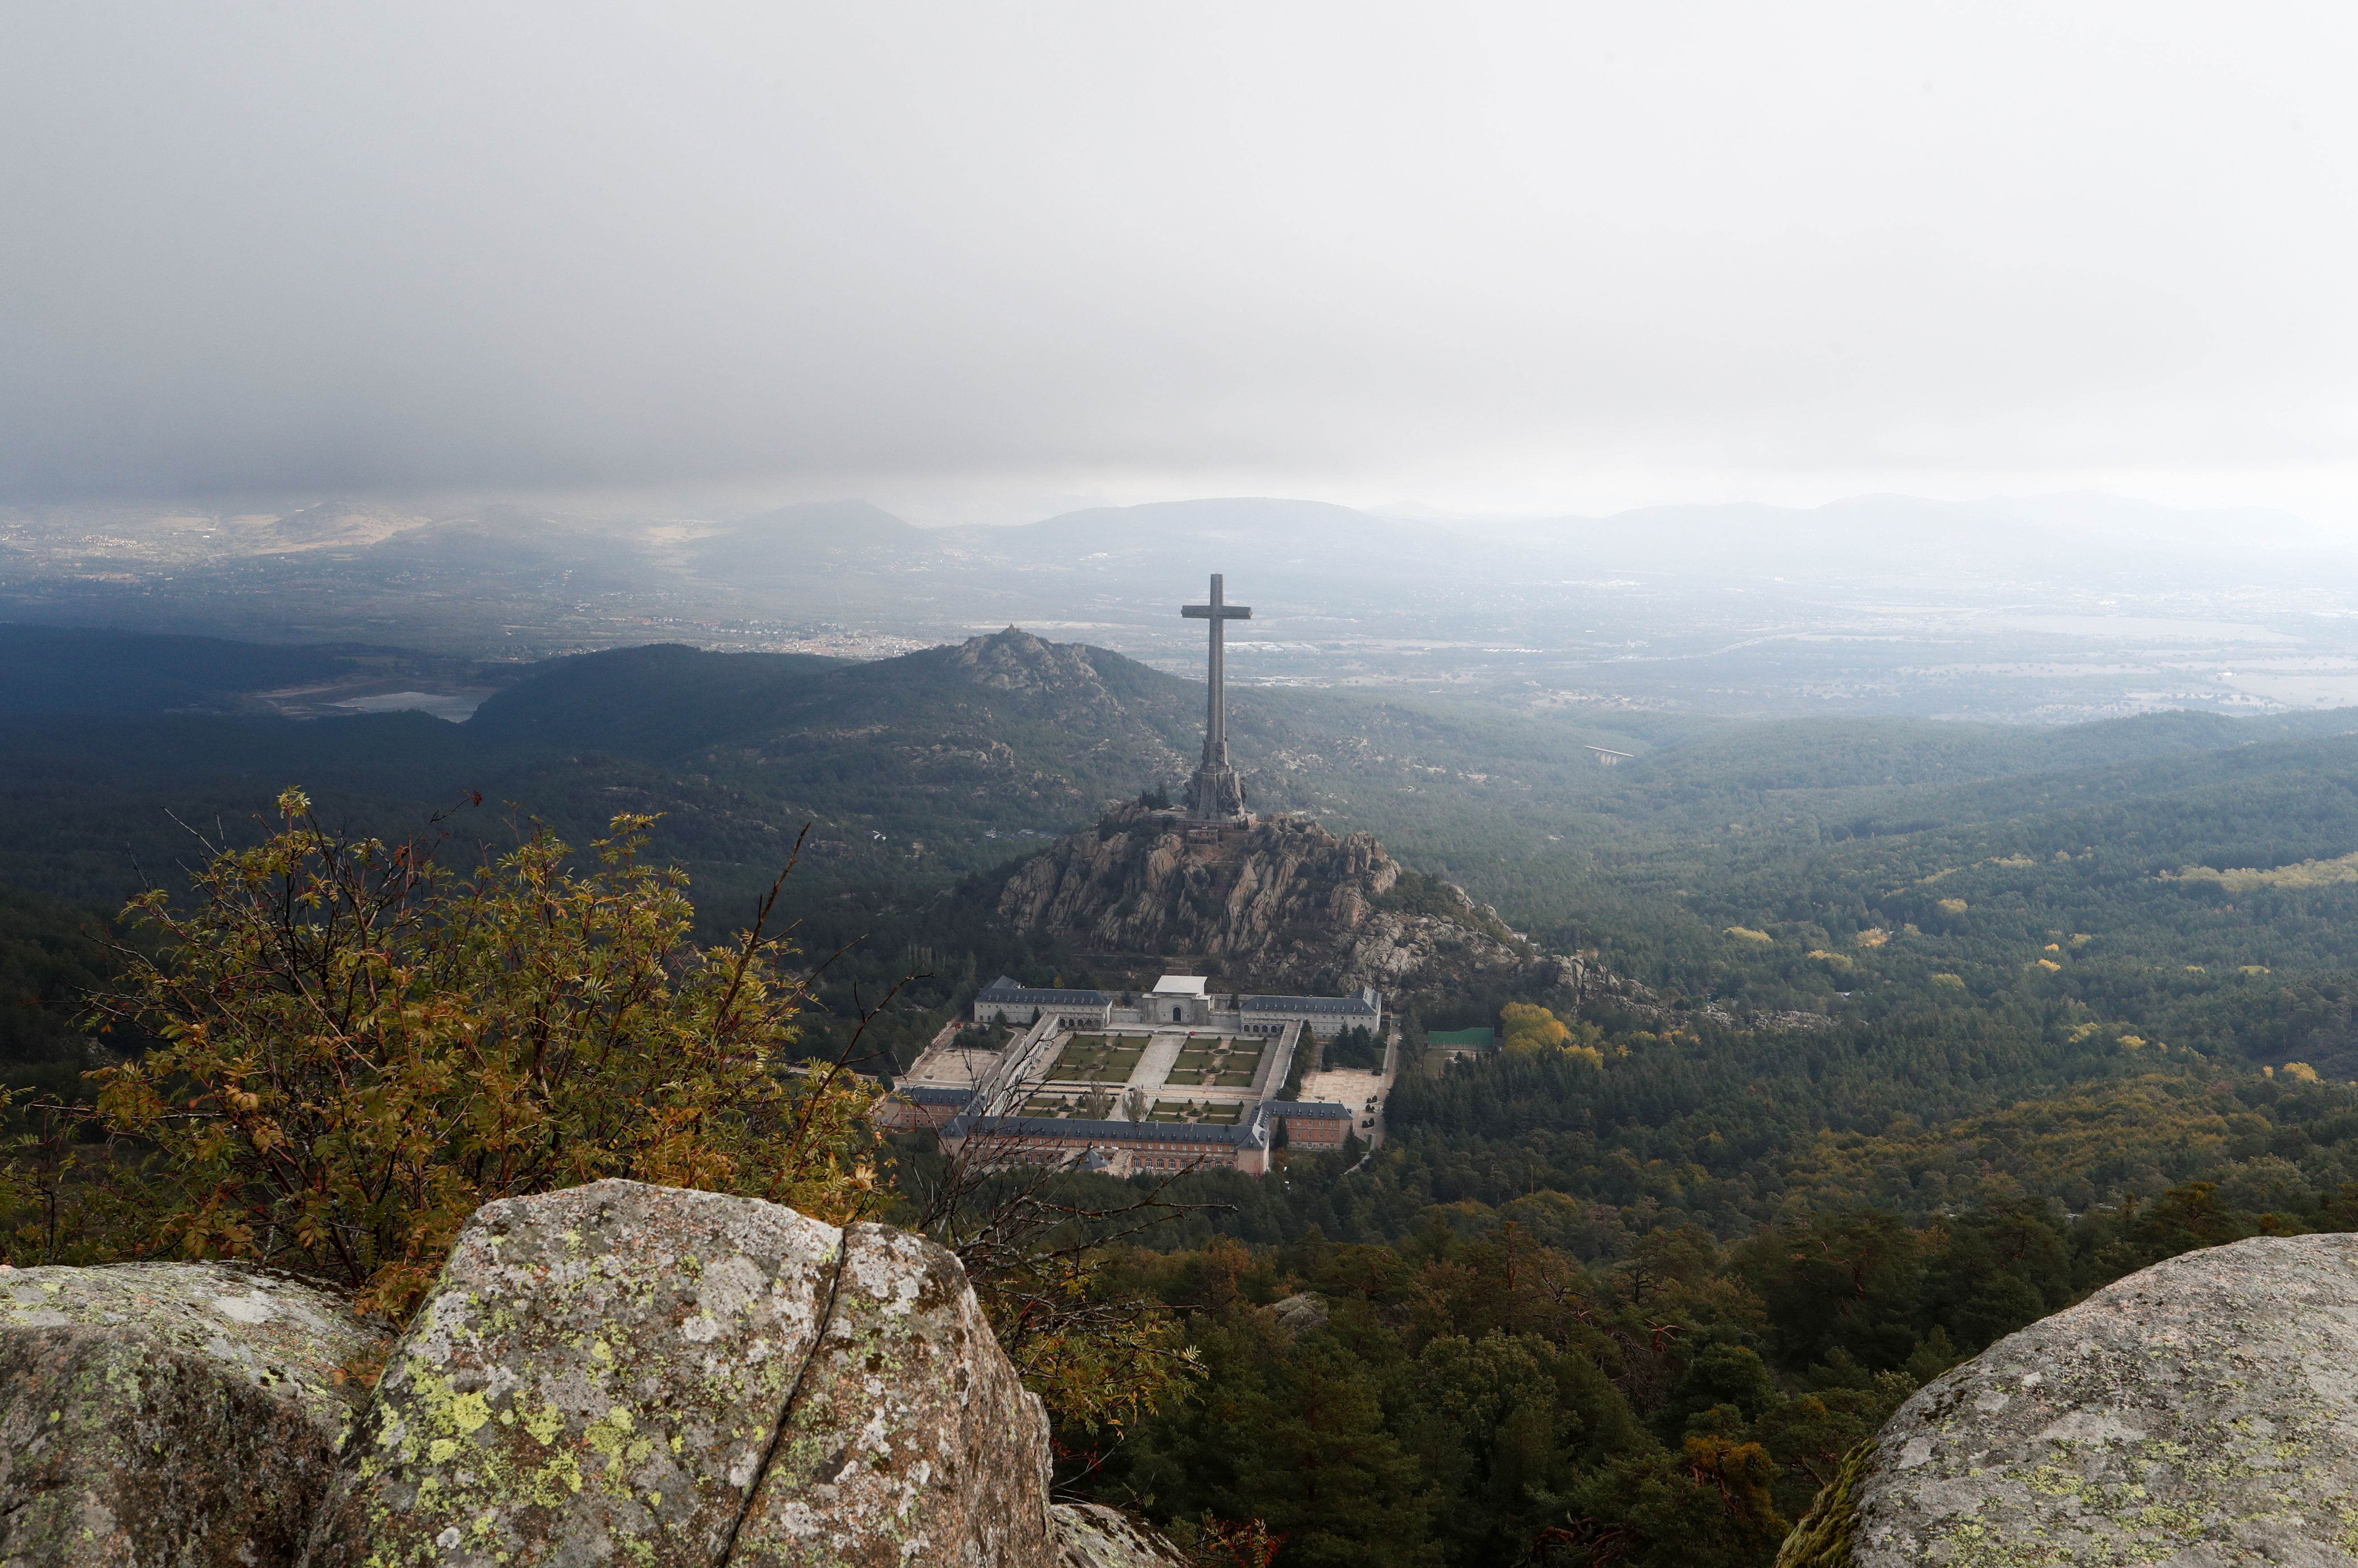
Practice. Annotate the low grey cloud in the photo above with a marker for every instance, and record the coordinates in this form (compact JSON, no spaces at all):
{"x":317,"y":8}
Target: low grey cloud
{"x":255,"y":245}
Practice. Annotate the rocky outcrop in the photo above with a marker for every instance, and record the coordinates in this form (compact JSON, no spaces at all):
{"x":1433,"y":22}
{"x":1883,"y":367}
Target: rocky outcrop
{"x":615,"y":1373}
{"x":180,"y":1414}
{"x":1068,"y":684}
{"x":706,"y":1378}
{"x":1016,"y":662}
{"x":1284,"y":904}
{"x":1089,"y":1535}
{"x":1299,"y":1314}
{"x":2196,"y":1413}
{"x":600,"y":1364}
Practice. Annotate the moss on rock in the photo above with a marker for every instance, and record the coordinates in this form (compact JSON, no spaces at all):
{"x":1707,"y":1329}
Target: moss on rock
{"x":1823,"y":1538}
{"x":180,"y":1414}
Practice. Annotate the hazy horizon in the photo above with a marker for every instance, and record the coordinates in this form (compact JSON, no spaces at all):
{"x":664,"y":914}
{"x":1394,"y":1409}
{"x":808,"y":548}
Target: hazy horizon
{"x":1832,"y":359}
{"x":724,"y":506}
{"x":1537,"y":260}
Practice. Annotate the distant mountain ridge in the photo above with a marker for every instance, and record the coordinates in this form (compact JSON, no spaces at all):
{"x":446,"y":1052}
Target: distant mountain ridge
{"x":659,"y":699}
{"x":46,"y":669}
{"x":2001,"y":608}
{"x":1881,"y":532}
{"x":660,"y":696}
{"x":1005,"y":729}
{"x":804,"y":536}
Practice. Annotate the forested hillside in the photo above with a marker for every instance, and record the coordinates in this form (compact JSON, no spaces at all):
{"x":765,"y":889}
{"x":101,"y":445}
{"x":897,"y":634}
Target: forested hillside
{"x":2150,"y":873}
{"x":51,"y":955}
{"x":912,"y":771}
{"x":2068,"y":1000}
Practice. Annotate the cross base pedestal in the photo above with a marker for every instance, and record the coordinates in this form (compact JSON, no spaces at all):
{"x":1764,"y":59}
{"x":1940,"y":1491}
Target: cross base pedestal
{"x":1216,"y":794}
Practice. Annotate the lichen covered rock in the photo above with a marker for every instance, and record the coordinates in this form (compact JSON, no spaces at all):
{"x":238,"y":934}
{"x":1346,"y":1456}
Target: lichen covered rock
{"x":2197,"y":1412}
{"x":179,"y":1413}
{"x":911,"y":1439}
{"x":596,"y":1376}
{"x":622,"y":1373}
{"x":1090,"y":1535}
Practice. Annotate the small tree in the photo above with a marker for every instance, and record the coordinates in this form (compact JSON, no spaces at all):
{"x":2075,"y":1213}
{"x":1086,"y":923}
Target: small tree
{"x":362,"y":1048}
{"x":1042,"y":1244}
{"x":1529,"y":1030}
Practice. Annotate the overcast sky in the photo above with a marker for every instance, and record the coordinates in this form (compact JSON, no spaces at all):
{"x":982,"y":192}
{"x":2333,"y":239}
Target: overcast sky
{"x":1480,"y":256}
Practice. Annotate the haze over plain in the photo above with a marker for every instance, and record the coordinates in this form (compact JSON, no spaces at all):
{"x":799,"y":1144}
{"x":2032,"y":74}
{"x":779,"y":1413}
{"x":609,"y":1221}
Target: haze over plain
{"x":586,"y":288}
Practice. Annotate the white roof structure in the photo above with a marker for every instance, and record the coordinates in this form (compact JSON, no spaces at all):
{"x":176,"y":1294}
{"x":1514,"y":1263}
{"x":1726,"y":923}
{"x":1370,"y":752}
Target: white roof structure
{"x":1179,"y":985}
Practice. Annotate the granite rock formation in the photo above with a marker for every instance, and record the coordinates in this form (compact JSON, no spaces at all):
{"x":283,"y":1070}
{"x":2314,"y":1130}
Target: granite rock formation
{"x":1298,"y":1314}
{"x":1018,"y":663}
{"x":613,"y":1373}
{"x":909,"y":1438}
{"x":1284,"y":904}
{"x":1090,"y":1535}
{"x":708,"y":1378}
{"x":180,"y":1414}
{"x":2196,"y":1413}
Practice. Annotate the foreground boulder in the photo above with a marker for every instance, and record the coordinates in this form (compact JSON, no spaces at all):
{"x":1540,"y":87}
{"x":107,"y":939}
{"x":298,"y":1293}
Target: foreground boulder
{"x":2200,"y":1411}
{"x":618,"y":1373}
{"x":179,"y":1413}
{"x":628,"y":1373}
{"x":909,"y":1437}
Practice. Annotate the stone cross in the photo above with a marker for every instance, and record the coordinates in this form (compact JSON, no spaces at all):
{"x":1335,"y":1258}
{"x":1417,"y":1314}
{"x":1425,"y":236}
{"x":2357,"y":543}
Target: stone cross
{"x":1217,"y":794}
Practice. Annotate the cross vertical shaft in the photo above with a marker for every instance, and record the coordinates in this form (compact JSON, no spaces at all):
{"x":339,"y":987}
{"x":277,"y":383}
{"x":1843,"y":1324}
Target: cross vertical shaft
{"x":1216,"y":793}
{"x":1216,"y":706}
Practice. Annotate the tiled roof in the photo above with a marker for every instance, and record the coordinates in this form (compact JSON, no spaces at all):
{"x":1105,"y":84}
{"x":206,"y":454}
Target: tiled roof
{"x":1314,"y":1109}
{"x":1005,"y":990}
{"x":1019,"y":1126}
{"x":1307,"y":1004}
{"x":933,"y":1094}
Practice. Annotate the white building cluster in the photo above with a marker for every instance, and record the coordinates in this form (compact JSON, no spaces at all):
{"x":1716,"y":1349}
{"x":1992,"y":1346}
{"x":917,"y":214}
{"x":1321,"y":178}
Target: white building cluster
{"x":1180,"y":1077}
{"x":1184,"y":1001}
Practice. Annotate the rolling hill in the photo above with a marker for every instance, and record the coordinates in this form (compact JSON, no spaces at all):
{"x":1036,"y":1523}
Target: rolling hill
{"x":921,"y":773}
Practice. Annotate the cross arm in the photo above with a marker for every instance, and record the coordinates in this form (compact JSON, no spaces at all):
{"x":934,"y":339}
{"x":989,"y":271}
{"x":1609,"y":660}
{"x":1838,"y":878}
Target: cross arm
{"x":1217,"y":611}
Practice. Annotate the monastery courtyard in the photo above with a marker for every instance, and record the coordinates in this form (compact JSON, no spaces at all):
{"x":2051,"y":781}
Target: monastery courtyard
{"x":1191,"y":1075}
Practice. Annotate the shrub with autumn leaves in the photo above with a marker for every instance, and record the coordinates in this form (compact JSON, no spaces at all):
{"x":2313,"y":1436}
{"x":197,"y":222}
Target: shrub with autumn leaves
{"x":357,"y":1046}
{"x":361,"y":1046}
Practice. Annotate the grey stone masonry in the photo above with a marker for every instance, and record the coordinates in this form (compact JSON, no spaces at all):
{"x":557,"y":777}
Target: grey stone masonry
{"x":1216,"y":793}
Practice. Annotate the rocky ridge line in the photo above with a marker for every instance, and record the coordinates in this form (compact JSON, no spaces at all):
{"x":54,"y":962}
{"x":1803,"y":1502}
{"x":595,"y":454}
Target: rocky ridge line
{"x":1284,"y":904}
